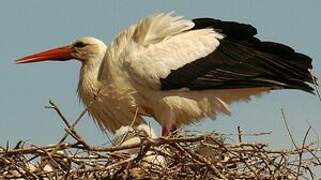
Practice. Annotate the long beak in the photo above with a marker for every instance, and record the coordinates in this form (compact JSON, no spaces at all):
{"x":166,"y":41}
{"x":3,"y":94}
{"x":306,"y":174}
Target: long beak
{"x":56,"y":54}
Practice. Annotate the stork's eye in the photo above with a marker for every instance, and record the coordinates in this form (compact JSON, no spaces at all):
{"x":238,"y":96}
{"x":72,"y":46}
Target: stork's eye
{"x":79,"y":44}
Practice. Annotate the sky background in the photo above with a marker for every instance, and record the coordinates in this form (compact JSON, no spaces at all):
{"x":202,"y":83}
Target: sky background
{"x":30,"y":26}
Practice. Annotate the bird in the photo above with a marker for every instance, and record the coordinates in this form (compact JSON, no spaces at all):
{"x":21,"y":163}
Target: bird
{"x":127,"y":135}
{"x":178,"y":71}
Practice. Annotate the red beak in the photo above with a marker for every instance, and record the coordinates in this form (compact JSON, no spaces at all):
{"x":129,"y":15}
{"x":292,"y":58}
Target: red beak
{"x":57,"y":54}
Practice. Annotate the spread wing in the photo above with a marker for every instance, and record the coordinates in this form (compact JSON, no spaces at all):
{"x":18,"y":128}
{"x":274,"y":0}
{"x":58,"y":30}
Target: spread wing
{"x":212,"y":54}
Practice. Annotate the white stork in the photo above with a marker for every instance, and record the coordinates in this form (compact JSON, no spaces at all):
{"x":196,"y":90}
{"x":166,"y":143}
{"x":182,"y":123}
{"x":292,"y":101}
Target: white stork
{"x":178,"y":71}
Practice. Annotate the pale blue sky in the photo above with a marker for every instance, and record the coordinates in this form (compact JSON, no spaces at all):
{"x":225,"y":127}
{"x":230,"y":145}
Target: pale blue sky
{"x":33,"y":25}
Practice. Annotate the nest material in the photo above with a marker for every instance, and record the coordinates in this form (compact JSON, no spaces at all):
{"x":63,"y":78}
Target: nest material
{"x":186,"y":157}
{"x":183,"y":156}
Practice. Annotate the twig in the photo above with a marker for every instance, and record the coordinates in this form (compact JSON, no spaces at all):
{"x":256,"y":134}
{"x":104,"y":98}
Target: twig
{"x":185,"y":156}
{"x":36,"y":149}
{"x":287,"y":128}
{"x":301,"y":153}
{"x":55,"y":107}
{"x":130,"y":126}
{"x":104,"y":168}
{"x":212,"y":167}
{"x":153,"y":142}
{"x":71,"y":128}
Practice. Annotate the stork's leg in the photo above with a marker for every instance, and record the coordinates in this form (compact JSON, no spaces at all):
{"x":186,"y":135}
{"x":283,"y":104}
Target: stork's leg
{"x":166,"y":117}
{"x":166,"y":131}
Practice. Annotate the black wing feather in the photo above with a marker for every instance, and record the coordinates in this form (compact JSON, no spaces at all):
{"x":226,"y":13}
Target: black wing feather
{"x":242,"y":61}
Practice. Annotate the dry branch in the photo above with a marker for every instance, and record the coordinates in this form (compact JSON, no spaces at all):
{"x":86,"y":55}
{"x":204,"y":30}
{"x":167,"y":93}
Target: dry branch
{"x":187,"y":156}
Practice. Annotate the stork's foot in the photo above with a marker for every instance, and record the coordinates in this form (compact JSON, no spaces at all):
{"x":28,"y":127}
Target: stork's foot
{"x":167,"y":131}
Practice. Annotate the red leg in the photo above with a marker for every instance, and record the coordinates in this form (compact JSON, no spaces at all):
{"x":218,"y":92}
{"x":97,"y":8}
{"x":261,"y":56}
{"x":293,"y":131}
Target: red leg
{"x":166,"y":131}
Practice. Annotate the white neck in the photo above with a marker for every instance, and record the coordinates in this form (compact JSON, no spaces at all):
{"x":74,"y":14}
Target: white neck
{"x":88,"y":78}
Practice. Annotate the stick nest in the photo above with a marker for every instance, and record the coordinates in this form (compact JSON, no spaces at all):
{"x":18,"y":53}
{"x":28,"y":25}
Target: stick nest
{"x":183,"y":156}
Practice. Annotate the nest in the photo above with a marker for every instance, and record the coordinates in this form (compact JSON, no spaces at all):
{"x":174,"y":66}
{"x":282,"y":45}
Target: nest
{"x":180,"y":156}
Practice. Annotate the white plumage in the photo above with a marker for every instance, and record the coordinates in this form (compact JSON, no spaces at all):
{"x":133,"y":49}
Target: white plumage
{"x":131,"y":71}
{"x":126,"y":136}
{"x":178,"y":71}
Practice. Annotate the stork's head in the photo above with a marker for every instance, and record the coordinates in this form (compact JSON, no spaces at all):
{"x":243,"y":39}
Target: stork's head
{"x":85,"y":49}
